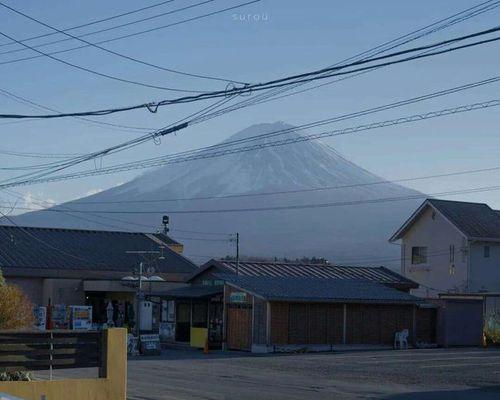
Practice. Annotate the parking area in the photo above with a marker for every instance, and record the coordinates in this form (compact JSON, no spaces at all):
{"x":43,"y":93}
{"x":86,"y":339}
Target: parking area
{"x":397,"y":375}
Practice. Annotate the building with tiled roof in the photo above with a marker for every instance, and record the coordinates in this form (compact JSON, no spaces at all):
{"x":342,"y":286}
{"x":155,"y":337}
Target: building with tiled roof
{"x":451,"y":246}
{"x":89,"y":267}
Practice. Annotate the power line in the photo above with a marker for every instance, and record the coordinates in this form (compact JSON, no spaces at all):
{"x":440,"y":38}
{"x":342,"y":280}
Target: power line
{"x":196,"y":155}
{"x":92,"y":22}
{"x":289,"y":80}
{"x":94,"y":72}
{"x":324,"y":188}
{"x":271,"y":95}
{"x":68,"y":211}
{"x":408,"y":37}
{"x":155,"y":136}
{"x":108,"y":125}
{"x":280,"y":208}
{"x":201,"y":233}
{"x":37,"y":155}
{"x":112,"y":77}
{"x":202,"y":239}
{"x":171,"y":128}
{"x":124,"y":56}
{"x":130,"y":34}
{"x":343,"y":117}
{"x":46,"y":244}
{"x":294,"y":191}
{"x":219,"y":145}
{"x":436,"y":26}
{"x":110,"y":150}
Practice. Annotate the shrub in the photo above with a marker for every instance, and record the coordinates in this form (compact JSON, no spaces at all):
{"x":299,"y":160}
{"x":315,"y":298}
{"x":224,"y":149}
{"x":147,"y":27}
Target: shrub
{"x":16,"y":310}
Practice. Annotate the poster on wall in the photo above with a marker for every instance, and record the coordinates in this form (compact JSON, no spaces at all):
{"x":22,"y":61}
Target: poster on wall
{"x":40,"y":318}
{"x":81,"y":317}
{"x":167,"y":311}
{"x":167,"y":331}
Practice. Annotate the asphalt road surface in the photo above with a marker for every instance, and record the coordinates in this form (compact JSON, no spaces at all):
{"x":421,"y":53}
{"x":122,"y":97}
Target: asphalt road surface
{"x":396,"y":375}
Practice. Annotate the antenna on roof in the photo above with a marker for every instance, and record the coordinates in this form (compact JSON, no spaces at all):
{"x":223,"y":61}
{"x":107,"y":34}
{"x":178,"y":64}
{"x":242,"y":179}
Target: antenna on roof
{"x":165,"y":222}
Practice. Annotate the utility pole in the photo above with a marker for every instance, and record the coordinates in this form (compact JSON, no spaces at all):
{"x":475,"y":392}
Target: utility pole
{"x":139,"y":301}
{"x":237,"y":253}
{"x":140,"y":294}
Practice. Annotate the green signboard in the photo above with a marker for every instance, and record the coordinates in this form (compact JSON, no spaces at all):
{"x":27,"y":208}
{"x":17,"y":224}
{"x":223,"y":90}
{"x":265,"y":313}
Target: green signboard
{"x":238,"y":297}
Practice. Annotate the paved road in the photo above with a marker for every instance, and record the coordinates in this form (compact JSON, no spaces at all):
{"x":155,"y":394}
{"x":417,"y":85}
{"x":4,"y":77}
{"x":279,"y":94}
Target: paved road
{"x":414,"y":374}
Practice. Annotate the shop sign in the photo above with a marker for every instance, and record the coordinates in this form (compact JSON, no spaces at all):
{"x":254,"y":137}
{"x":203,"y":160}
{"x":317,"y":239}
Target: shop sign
{"x":212,"y":282}
{"x":238,"y":297}
{"x":150,"y":344}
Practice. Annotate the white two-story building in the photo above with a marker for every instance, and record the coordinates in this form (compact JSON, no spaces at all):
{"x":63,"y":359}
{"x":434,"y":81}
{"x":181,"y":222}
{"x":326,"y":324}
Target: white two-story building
{"x":451,"y":246}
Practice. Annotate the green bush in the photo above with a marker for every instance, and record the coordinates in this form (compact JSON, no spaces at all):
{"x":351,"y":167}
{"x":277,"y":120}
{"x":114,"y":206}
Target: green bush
{"x":16,"y":310}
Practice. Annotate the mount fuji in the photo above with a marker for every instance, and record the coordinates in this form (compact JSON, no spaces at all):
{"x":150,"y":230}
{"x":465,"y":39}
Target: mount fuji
{"x":349,"y":233}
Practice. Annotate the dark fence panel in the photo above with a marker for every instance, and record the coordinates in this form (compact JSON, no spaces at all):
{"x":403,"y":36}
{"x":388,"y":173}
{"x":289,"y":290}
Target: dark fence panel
{"x":44,"y":350}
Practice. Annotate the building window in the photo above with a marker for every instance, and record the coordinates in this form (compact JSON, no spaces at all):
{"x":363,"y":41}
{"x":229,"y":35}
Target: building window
{"x":452,"y":253}
{"x":418,"y":255}
{"x":486,"y":251}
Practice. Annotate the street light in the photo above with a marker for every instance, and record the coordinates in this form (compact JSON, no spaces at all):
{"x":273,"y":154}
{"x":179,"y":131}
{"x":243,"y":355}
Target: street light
{"x":139,"y":294}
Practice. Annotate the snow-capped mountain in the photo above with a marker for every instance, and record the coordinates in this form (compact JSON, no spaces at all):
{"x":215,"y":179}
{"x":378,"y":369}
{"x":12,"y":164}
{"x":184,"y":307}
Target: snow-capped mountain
{"x":349,"y":233}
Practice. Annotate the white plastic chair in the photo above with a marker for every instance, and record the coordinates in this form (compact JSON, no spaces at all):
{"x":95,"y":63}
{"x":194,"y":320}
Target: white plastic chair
{"x":401,"y":339}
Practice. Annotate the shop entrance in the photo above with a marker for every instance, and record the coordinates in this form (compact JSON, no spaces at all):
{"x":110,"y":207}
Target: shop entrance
{"x":239,"y":327}
{"x":183,"y":322}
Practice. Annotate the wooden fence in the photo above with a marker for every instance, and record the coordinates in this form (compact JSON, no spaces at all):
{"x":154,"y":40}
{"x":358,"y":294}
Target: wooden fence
{"x":30,"y":351}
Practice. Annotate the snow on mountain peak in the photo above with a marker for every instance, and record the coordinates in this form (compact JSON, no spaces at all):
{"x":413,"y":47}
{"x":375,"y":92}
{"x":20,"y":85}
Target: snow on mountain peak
{"x":339,"y":233}
{"x":306,"y":164}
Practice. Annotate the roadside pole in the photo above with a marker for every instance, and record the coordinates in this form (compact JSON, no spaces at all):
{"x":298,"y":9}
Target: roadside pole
{"x":237,"y":253}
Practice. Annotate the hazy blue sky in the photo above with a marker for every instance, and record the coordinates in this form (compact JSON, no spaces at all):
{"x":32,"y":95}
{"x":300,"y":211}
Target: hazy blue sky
{"x":288,"y":37}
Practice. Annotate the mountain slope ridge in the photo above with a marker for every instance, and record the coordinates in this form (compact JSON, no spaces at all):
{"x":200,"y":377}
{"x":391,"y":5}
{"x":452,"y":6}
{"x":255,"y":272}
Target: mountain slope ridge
{"x":339,"y":233}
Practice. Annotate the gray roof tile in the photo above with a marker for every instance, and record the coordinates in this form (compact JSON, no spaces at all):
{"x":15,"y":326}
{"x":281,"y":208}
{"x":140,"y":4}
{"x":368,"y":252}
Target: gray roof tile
{"x":30,"y":247}
{"x":475,"y":220}
{"x":319,"y":290}
{"x":326,"y":271}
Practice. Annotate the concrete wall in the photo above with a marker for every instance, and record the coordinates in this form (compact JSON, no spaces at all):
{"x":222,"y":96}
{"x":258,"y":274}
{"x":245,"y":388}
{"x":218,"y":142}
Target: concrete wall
{"x":112,"y":387}
{"x":433,"y":231}
{"x":60,"y":291}
{"x":32,"y":287}
{"x":63,"y":291}
{"x":484,"y":271}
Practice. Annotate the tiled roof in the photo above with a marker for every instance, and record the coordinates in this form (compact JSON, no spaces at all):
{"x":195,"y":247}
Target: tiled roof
{"x":56,"y":248}
{"x":307,"y":289}
{"x":325,"y":271}
{"x":475,"y":220}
